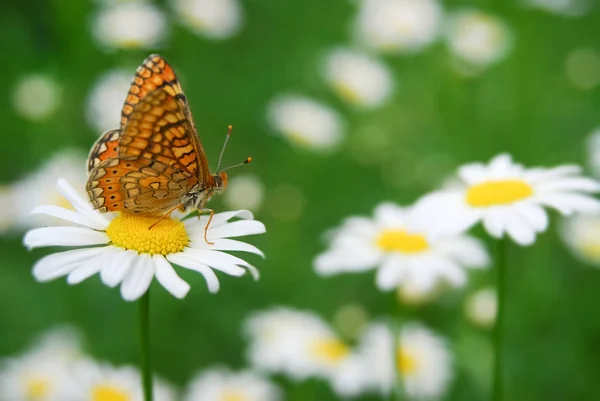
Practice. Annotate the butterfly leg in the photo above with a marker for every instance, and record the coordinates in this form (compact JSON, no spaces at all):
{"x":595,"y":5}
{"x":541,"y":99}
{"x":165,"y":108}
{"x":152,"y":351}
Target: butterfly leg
{"x":212,"y":213}
{"x":165,"y":215}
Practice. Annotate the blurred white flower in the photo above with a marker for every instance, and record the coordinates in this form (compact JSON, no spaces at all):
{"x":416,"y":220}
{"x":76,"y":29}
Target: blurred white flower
{"x":244,"y":191}
{"x":36,"y":97}
{"x":39,"y":188}
{"x":398,"y":26}
{"x":568,"y":8}
{"x":106,"y":99}
{"x":217,"y":19}
{"x":510,"y":199}
{"x":130,"y":25}
{"x":477,"y":38}
{"x":42,"y":372}
{"x":582,"y":68}
{"x":221,"y":384}
{"x":305,"y":122}
{"x":296,"y":343}
{"x":124,"y":252}
{"x":402,"y":249}
{"x":98,"y":381}
{"x":414,"y":294}
{"x":481,"y":307}
{"x":358,"y":78}
{"x":581,"y":234}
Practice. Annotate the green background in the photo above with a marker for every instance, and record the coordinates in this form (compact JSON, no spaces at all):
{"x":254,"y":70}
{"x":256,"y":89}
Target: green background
{"x":435,"y":121}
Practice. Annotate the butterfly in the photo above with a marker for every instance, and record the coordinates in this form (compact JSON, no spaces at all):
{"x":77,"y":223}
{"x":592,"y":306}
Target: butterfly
{"x":154,"y":163}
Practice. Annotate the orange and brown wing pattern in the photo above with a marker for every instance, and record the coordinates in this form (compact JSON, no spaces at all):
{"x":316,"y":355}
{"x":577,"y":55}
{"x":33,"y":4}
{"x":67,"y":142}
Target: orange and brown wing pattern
{"x":159,"y":129}
{"x":106,"y":147}
{"x":140,"y":186}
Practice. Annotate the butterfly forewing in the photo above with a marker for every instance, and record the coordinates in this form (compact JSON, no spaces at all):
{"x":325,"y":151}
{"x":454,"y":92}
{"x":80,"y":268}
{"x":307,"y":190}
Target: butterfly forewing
{"x":106,"y":147}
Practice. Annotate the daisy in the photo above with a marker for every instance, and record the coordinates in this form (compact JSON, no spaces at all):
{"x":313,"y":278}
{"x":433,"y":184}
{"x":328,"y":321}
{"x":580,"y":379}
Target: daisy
{"x":510,"y":199}
{"x":305,"y":123}
{"x":125,"y":252}
{"x":221,"y":384}
{"x":398,"y":26}
{"x":105,"y":100}
{"x":296,"y":343}
{"x":402,"y":249}
{"x":244,"y":191}
{"x":481,"y":307}
{"x":216,"y":19}
{"x":477,"y":38}
{"x":567,"y":8}
{"x":130,"y":25}
{"x":581,"y":234}
{"x":36,"y":97}
{"x":358,"y":78}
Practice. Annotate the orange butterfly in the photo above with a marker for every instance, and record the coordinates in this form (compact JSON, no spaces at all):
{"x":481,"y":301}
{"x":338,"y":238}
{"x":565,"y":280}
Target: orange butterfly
{"x":155,"y":163}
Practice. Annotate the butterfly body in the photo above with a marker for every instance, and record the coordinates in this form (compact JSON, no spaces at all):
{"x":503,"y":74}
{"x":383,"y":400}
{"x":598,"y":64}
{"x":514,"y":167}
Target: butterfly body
{"x":154,"y":163}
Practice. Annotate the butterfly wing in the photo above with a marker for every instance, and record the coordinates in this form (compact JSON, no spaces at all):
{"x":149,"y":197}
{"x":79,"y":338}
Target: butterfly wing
{"x":142,"y":186}
{"x":106,"y":147}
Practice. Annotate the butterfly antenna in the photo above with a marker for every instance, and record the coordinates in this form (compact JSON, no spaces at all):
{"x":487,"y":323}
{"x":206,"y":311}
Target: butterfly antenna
{"x":229,"y":129}
{"x":248,"y":160}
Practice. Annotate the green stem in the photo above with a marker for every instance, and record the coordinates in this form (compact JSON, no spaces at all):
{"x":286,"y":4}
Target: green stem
{"x":500,"y":316}
{"x":146,"y":362}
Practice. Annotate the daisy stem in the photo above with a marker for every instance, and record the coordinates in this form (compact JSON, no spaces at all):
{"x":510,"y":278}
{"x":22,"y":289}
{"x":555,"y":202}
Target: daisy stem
{"x":146,"y":361}
{"x":499,"y":328}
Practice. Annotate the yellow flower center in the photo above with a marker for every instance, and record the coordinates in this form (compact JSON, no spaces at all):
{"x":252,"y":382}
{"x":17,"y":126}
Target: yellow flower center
{"x":330,"y":350}
{"x":109,"y":393}
{"x":401,"y":241}
{"x":37,"y":388}
{"x":494,"y":193}
{"x":234,"y":396}
{"x":405,"y":362}
{"x":590,"y":249}
{"x":347,"y":93}
{"x":132,"y":232}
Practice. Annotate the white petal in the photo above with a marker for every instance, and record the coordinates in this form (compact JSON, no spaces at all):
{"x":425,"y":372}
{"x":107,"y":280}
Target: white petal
{"x":537,"y":175}
{"x":70,"y":216}
{"x":434,"y":266}
{"x":223,"y":244}
{"x":87,"y":269}
{"x":517,"y":227}
{"x":63,"y":236}
{"x":391,"y":273}
{"x":473,"y":173}
{"x":236,"y":229}
{"x":500,"y":165}
{"x":62,"y":263}
{"x":183,"y":260}
{"x":492,"y":222}
{"x":81,"y":205}
{"x":567,"y":204}
{"x":534,"y":214}
{"x":219,"y":260}
{"x":136,"y":282}
{"x":389,"y":214}
{"x":253,"y":272}
{"x":168,"y":278}
{"x":197,"y":224}
{"x":346,"y":259}
{"x":117,"y":266}
{"x":574,"y":184}
{"x":467,"y":251}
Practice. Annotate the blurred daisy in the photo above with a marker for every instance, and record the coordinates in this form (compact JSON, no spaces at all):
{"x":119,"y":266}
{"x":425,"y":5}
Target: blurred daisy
{"x":568,"y":8}
{"x":398,"y":26}
{"x":295,"y":343}
{"x":481,"y":307}
{"x":124,"y":251}
{"x":216,"y":19}
{"x":42,"y":372}
{"x":581,"y":234}
{"x":402,"y":248}
{"x":305,"y":122}
{"x":414,"y":294}
{"x":221,"y":384}
{"x":244,"y":191}
{"x":38,"y":188}
{"x":130,"y":25}
{"x":36,"y":97}
{"x":96,"y":381}
{"x":105,"y":101}
{"x":510,"y":199}
{"x":477,"y":38}
{"x":358,"y":78}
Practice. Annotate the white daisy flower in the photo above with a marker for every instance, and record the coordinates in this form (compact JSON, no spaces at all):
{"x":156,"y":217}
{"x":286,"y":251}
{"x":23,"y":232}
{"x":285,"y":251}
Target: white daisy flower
{"x":38,"y":188}
{"x":398,"y":26}
{"x":418,"y":356}
{"x":125,"y":252}
{"x":91,"y":380}
{"x":105,"y":100}
{"x":296,"y":343}
{"x":36,"y":97}
{"x":481,"y":307}
{"x":305,"y":122}
{"x":358,"y":78}
{"x":130,"y":25}
{"x":510,"y":199}
{"x":582,"y":68}
{"x":402,"y":248}
{"x":567,"y":8}
{"x":244,"y":191}
{"x":581,"y":234}
{"x":477,"y":38}
{"x":41,"y":373}
{"x":216,"y":19}
{"x":221,"y":384}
